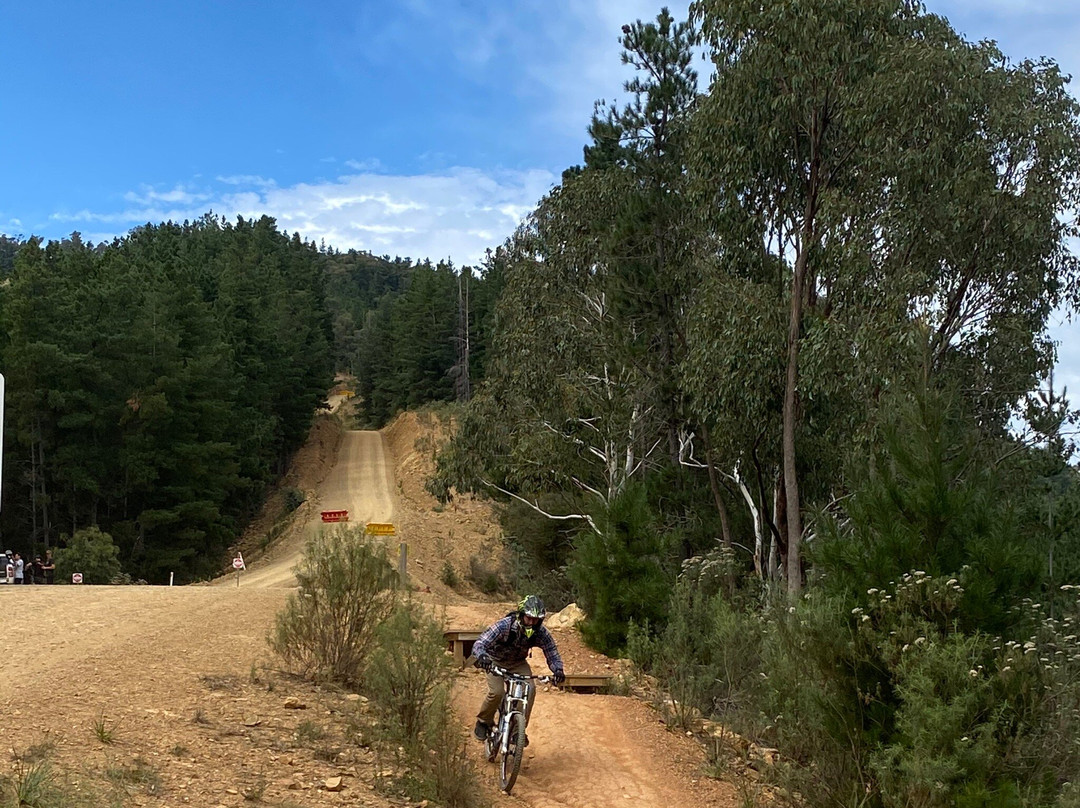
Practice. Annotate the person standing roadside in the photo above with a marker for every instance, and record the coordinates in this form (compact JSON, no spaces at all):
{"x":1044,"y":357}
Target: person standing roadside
{"x":49,"y":567}
{"x":19,"y":569}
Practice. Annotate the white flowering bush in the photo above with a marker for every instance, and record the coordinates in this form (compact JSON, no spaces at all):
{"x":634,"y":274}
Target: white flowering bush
{"x":892,"y":703}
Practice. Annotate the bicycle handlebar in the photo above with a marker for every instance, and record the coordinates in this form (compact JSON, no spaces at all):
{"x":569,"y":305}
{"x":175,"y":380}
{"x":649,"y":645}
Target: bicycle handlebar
{"x":545,"y":678}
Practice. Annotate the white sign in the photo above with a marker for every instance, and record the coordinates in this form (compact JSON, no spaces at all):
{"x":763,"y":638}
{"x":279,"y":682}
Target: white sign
{"x":238,"y":563}
{"x":76,"y":577}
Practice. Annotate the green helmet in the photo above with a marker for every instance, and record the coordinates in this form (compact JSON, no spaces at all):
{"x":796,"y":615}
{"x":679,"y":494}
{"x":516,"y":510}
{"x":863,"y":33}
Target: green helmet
{"x":531,"y":606}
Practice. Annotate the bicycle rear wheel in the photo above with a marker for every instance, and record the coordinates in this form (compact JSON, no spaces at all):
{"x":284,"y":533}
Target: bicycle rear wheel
{"x":515,"y":751}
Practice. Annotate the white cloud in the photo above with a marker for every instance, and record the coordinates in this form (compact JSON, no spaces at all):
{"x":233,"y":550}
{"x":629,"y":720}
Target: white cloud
{"x":247,"y":179}
{"x":148,"y":195}
{"x":130,"y":217}
{"x":371,"y":165}
{"x":457,"y":214}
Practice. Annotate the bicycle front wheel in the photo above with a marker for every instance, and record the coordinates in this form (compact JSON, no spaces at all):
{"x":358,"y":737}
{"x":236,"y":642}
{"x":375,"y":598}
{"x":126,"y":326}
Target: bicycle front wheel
{"x":515,"y":751}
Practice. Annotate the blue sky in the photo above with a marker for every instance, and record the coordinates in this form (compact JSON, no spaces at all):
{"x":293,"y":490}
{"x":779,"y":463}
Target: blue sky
{"x":422,"y":128}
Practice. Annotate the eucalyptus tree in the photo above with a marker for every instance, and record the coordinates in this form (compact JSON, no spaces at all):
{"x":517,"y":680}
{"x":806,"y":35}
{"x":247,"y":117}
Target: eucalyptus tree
{"x":580,"y":407}
{"x":881,"y":179}
{"x":587,"y":332}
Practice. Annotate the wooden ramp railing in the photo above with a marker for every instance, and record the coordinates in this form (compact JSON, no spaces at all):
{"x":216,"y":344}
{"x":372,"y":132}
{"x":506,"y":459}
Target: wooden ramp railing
{"x":460,"y":643}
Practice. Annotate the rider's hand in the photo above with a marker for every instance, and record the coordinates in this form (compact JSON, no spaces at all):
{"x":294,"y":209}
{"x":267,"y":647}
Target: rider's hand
{"x":559,"y":676}
{"x":484,"y":662}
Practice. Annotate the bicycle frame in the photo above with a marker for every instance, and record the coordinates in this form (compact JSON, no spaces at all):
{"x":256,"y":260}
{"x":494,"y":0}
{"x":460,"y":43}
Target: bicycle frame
{"x":507,"y":737}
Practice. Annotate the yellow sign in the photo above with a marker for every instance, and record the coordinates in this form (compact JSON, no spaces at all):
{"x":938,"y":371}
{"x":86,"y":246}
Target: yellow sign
{"x":347,"y":394}
{"x":380,"y":529}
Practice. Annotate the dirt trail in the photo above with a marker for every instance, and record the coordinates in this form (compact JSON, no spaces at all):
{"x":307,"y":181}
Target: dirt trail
{"x":359,"y":482}
{"x":139,"y":659}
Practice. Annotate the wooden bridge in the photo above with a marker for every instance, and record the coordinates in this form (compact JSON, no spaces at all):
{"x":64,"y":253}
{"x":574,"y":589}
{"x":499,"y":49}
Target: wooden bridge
{"x":460,"y":643}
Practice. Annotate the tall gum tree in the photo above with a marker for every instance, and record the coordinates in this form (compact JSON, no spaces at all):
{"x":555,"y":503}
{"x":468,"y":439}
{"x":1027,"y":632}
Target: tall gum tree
{"x":895,"y":175}
{"x":582,"y":389}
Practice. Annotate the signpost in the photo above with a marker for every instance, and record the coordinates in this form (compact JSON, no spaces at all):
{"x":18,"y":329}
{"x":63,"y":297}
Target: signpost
{"x":238,"y":564}
{"x":388,"y":529}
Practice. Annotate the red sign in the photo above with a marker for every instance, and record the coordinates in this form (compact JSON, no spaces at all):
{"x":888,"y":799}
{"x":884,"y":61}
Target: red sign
{"x":238,"y":563}
{"x":335,"y":516}
{"x":76,"y":577}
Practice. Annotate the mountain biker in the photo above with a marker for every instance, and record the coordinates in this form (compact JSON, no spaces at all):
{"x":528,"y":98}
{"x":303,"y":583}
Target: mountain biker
{"x":506,"y":643}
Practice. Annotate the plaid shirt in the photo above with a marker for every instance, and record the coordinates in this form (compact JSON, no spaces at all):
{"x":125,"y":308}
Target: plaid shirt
{"x":504,"y":642}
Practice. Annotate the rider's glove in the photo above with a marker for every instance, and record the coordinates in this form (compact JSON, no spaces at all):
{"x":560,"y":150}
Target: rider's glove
{"x":559,"y":676}
{"x":484,"y":662}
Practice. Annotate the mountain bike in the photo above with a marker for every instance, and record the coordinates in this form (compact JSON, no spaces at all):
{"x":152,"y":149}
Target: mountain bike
{"x":507,"y":737}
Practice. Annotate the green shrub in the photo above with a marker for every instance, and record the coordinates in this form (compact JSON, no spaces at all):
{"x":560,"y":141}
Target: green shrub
{"x":917,"y":672}
{"x":102,"y":730}
{"x":294,"y":498}
{"x":346,"y":589}
{"x":34,"y":781}
{"x":34,"y":785}
{"x":929,"y":501}
{"x":624,"y":571}
{"x":92,"y":553}
{"x":451,"y":778}
{"x":449,"y":575}
{"x":408,"y":680}
{"x":407,"y":666}
{"x":484,"y":575}
{"x":708,"y":654}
